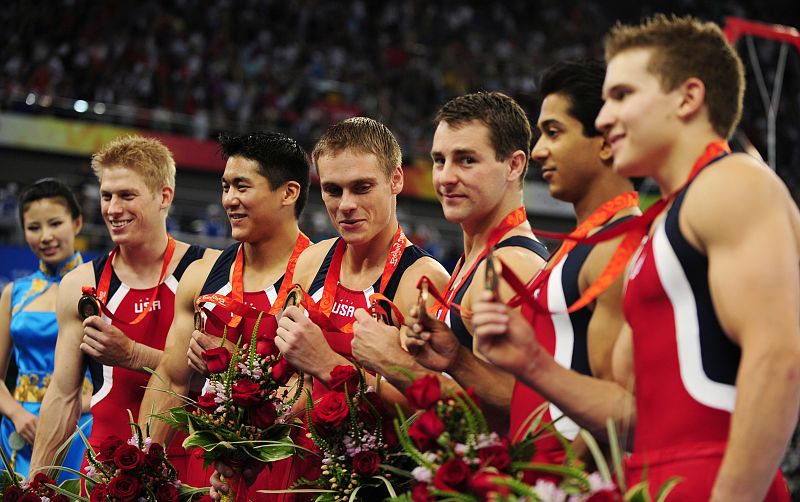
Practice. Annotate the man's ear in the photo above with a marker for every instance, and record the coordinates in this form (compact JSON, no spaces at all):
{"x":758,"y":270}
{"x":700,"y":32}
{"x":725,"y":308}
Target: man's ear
{"x":518,"y":161}
{"x":692,"y":97}
{"x":605,"y":153}
{"x":167,"y":194}
{"x":291,"y":192}
{"x":396,"y":180}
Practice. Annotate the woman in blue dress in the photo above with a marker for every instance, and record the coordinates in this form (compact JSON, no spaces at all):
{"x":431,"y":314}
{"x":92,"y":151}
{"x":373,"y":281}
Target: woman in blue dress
{"x":51,"y":218}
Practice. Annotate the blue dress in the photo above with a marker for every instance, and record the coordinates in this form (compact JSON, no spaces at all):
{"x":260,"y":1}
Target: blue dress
{"x":33,"y":335}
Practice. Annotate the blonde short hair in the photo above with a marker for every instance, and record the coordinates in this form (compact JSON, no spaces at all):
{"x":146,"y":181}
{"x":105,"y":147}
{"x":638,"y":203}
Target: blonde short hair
{"x":363,"y":135}
{"x":146,"y":156}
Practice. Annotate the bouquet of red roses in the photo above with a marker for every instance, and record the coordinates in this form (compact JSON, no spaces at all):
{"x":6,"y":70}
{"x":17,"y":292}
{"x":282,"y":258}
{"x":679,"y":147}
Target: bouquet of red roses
{"x":41,"y":488}
{"x":458,"y":458}
{"x":244,"y":413}
{"x":135,"y":470}
{"x":356,"y":446}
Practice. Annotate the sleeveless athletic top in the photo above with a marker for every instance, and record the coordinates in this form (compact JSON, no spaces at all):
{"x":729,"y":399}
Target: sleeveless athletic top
{"x":563,"y":335}
{"x":454,"y":321}
{"x":685,"y":366}
{"x":116,"y":389}
{"x":218,"y":281}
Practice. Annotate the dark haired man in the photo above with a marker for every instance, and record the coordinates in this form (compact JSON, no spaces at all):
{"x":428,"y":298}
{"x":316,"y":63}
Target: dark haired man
{"x":264,"y":190}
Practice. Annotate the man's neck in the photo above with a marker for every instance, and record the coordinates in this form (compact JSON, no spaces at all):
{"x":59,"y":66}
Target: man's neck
{"x":276,"y":249}
{"x":677,"y":163}
{"x":476,"y":232}
{"x":602,"y":189}
{"x":146,"y":254}
{"x":369,"y":255}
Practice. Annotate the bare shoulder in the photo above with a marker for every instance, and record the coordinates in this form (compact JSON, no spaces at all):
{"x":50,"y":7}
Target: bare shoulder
{"x":72,"y":283}
{"x":735,"y":193}
{"x":197,"y":272}
{"x":211,"y":254}
{"x":7,"y":290}
{"x":429,"y":267}
{"x":522,"y":261}
{"x":310,"y":260}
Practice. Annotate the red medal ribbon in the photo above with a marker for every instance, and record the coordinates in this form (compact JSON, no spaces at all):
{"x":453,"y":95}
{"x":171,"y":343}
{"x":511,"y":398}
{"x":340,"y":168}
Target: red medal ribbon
{"x":399,"y":242}
{"x":234,"y":303}
{"x":444,"y":301}
{"x":101,"y":293}
{"x":633,"y":230}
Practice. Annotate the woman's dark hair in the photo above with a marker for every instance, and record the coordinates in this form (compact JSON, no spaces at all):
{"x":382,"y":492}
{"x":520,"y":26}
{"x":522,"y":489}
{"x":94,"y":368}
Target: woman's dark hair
{"x":48,"y":188}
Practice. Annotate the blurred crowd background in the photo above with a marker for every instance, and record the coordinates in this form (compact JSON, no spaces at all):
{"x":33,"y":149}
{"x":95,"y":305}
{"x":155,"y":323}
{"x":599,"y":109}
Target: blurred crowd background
{"x":195,"y":68}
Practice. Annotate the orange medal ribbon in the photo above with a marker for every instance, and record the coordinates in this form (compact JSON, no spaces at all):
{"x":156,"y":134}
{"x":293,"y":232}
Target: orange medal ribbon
{"x":444,"y":302}
{"x":399,"y":242}
{"x":101,"y":292}
{"x":633,"y":230}
{"x":235,"y":302}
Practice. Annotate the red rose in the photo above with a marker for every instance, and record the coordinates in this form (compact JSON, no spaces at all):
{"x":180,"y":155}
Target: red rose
{"x":246,"y":393}
{"x":605,"y":496}
{"x":59,"y":498}
{"x":420,"y":493}
{"x":30,"y":497}
{"x":331,"y":411}
{"x":424,"y":392}
{"x":372,"y":409}
{"x":264,"y":415}
{"x":39,"y":480}
{"x":167,"y":493}
{"x":483,"y":485}
{"x":128,"y":457}
{"x":108,"y":447}
{"x":282,"y":371}
{"x":99,"y":493}
{"x":366,"y":463}
{"x":453,"y":475}
{"x":495,"y":456}
{"x":155,"y":456}
{"x":125,"y":488}
{"x":217,"y":359}
{"x":426,"y":429}
{"x":206,"y":402}
{"x":265,"y":346}
{"x":345,"y":376}
{"x":12,"y":493}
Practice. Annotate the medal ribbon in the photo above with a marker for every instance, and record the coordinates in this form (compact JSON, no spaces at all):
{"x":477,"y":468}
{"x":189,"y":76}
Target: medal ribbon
{"x":234,"y":304}
{"x":325,"y":305}
{"x":444,"y":301}
{"x":633,"y":231}
{"x":101,"y":293}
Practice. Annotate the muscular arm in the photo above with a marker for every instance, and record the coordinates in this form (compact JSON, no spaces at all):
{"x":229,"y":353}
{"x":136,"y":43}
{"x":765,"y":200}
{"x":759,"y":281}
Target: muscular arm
{"x":754,"y":279}
{"x":173,"y":372}
{"x":493,"y":385}
{"x":380,"y":347}
{"x":61,"y":405}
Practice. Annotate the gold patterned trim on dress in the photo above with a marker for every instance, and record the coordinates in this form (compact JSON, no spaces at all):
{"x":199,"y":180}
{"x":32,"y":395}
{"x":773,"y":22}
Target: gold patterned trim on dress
{"x":31,"y":390}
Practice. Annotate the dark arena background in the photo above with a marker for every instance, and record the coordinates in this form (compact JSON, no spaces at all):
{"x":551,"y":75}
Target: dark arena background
{"x":75,"y":74}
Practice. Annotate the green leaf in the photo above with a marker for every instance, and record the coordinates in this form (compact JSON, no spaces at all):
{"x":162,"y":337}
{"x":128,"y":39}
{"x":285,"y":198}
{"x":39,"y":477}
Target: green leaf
{"x":597,"y":455}
{"x":616,"y":454}
{"x":69,"y":493}
{"x":667,"y":487}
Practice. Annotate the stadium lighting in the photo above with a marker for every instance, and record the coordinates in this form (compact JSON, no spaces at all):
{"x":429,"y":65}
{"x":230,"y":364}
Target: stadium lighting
{"x":81,"y":106}
{"x":30,"y":99}
{"x":99,"y":108}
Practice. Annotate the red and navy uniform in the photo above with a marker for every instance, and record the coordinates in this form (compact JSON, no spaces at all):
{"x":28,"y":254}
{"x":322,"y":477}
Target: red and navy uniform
{"x":454,"y":321}
{"x":347,"y":301}
{"x":685,"y":367}
{"x":116,"y":389}
{"x":218,"y":281}
{"x":565,"y":337}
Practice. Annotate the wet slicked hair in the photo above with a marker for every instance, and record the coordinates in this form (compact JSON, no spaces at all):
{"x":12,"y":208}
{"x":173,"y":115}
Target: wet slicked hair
{"x":363,"y":135}
{"x":48,"y":188}
{"x":685,"y":47}
{"x":280,"y":159}
{"x":581,"y":83}
{"x":146,"y":156}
